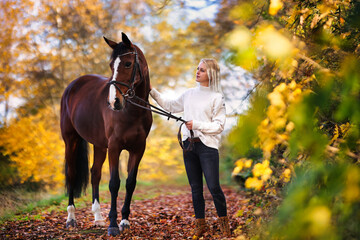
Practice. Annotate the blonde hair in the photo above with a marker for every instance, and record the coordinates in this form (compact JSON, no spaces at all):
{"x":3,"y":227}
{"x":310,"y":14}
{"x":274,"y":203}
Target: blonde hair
{"x":213,"y":72}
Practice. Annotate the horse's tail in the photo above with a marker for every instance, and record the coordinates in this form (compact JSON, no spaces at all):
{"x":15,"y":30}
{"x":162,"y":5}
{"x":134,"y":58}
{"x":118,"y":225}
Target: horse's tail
{"x":77,"y":170}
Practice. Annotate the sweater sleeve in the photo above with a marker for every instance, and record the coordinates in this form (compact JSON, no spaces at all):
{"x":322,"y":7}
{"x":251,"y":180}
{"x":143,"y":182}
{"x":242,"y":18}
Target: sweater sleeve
{"x":173,"y":106}
{"x":216,"y":126}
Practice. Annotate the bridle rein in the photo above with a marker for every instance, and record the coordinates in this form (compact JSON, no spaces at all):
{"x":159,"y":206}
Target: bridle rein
{"x":130,"y":95}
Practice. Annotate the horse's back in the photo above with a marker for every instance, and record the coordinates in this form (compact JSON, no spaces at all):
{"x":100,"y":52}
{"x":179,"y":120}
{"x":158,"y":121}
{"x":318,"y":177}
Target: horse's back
{"x":78,"y":84}
{"x":83,"y":87}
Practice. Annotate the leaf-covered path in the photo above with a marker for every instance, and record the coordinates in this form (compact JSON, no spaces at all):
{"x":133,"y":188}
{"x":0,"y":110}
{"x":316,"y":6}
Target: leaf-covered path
{"x":157,"y":212}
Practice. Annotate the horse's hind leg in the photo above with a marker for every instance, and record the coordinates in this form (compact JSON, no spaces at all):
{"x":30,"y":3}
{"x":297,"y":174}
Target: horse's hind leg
{"x":76,"y":163}
{"x":76,"y":171}
{"x":99,"y":158}
{"x":71,"y":220}
{"x":133,"y":165}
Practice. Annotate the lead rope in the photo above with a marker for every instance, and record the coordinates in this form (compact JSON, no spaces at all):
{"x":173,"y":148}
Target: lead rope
{"x":168,"y":115}
{"x":191,"y":145}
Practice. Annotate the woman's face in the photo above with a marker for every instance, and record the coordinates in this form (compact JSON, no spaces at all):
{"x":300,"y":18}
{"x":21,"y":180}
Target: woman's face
{"x":201,"y":75}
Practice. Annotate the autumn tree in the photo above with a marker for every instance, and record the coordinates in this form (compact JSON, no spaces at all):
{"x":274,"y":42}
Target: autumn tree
{"x":14,"y":35}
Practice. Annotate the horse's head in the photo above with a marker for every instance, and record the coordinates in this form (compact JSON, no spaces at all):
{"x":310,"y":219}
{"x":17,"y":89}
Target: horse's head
{"x":126,"y":71}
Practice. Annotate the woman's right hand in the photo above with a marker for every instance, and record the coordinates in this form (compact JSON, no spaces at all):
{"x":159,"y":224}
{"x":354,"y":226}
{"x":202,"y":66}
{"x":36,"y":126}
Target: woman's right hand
{"x":150,"y":87}
{"x":189,"y":125}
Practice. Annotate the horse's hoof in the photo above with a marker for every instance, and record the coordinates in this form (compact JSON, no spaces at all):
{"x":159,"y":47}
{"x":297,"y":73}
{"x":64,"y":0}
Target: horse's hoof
{"x":124,"y":225}
{"x":99,"y":223}
{"x":71,"y":223}
{"x":113,"y":231}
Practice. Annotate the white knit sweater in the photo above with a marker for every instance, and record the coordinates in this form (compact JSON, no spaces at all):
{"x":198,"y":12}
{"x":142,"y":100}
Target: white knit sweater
{"x":204,"y":107}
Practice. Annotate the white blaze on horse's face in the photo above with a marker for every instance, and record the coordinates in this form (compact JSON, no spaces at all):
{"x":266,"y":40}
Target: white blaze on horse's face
{"x":112,"y":89}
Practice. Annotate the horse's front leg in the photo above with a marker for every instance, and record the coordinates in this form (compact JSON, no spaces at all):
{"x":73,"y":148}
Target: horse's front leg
{"x":114,"y":185}
{"x":99,"y":158}
{"x":133,"y":165}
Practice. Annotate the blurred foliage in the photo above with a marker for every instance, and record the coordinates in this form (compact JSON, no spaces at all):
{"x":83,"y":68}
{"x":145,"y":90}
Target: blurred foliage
{"x":163,"y":157}
{"x":307,"y":53}
{"x":8,"y":173}
{"x":322,"y":203}
{"x":35,"y":149}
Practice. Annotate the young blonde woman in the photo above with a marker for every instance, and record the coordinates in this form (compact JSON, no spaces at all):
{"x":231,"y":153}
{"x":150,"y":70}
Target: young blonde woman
{"x":204,"y":110}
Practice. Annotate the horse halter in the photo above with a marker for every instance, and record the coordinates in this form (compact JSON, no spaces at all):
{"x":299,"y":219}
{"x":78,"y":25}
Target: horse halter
{"x":130,"y":93}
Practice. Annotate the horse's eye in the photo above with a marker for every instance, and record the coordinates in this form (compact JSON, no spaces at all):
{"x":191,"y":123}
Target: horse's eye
{"x":127,"y":64}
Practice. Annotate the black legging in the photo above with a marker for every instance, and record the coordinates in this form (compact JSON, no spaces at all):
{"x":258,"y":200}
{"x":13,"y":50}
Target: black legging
{"x":203,"y":159}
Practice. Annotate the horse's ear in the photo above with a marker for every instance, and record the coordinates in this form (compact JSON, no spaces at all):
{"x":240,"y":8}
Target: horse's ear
{"x":126,"y":40}
{"x":112,"y":44}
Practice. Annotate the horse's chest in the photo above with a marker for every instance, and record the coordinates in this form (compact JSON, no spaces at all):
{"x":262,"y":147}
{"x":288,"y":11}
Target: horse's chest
{"x":131,"y":134}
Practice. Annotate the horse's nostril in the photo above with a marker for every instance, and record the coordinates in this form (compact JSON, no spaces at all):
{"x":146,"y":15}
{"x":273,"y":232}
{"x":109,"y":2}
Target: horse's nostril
{"x":117,"y":104}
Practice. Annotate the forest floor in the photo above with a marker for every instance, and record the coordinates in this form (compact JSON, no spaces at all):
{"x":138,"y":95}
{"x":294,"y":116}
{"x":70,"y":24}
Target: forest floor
{"x":157,"y":212}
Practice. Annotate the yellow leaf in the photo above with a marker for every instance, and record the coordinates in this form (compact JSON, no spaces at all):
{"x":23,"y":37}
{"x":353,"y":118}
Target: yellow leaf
{"x":276,"y":99}
{"x":274,"y":44}
{"x":253,"y":182}
{"x":248,"y":163}
{"x":236,"y":170}
{"x":320,"y":219}
{"x":275,"y":6}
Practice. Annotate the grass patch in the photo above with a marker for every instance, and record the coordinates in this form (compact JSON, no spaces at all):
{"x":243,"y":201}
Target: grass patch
{"x":52,"y":201}
{"x":21,"y":201}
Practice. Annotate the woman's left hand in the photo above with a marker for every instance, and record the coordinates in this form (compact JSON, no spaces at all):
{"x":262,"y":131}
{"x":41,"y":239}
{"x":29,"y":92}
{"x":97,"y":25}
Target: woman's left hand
{"x":189,"y":125}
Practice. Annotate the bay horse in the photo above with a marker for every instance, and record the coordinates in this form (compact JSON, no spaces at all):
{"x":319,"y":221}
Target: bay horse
{"x":94,"y":109}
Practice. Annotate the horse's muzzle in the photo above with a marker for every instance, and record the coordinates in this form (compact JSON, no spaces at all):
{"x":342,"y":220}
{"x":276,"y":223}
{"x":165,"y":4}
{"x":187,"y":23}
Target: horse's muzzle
{"x":118,"y":105}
